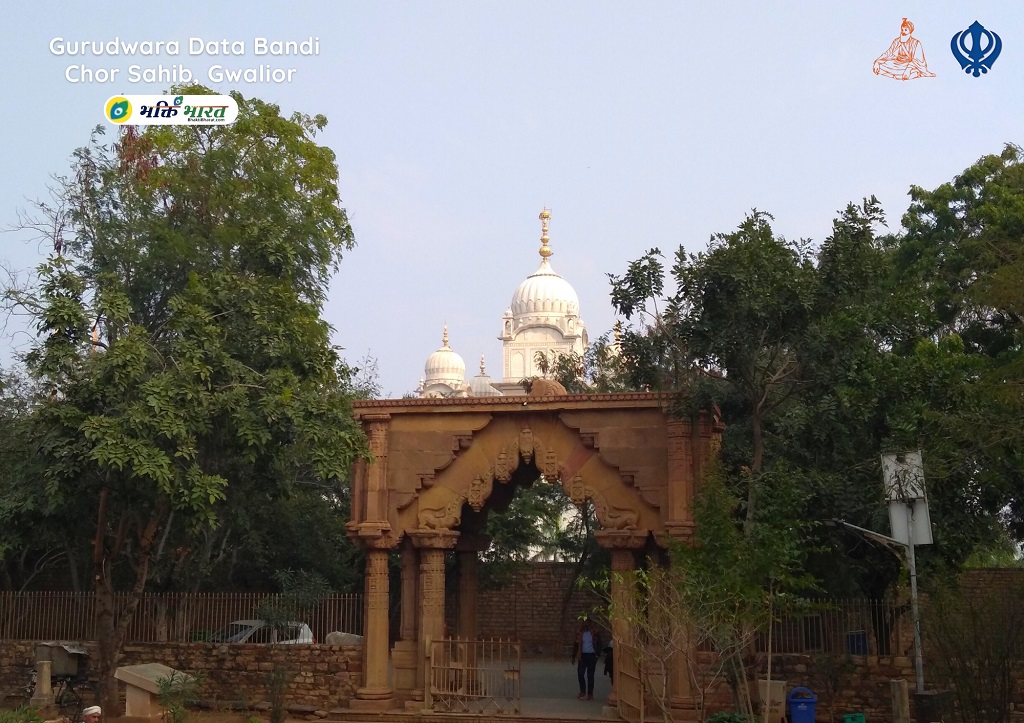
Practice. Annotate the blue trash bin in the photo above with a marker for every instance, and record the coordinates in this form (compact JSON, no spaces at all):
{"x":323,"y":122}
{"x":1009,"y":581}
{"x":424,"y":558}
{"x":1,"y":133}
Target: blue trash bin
{"x":801,"y":702}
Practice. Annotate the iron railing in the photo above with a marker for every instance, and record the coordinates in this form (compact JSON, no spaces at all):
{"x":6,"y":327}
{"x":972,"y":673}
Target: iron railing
{"x":834,"y":627}
{"x":843,"y":627}
{"x":161,"y":617}
{"x":475,"y":676}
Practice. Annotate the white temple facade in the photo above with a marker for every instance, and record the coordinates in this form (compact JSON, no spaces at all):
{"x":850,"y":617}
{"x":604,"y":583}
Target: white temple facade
{"x":543,"y":318}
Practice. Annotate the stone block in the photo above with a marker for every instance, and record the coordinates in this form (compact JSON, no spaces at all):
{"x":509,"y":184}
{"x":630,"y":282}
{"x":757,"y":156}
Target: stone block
{"x":142,"y":684}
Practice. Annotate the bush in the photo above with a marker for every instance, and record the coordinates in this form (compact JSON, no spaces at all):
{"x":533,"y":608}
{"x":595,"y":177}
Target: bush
{"x":723,"y":717}
{"x":177,"y":693}
{"x":23,"y":714}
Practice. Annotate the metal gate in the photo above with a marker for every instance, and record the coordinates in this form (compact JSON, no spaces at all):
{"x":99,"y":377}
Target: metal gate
{"x":475,"y":676}
{"x":630,"y":684}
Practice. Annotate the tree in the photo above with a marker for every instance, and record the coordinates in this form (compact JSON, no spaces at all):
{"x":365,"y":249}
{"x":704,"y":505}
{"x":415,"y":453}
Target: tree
{"x":185,"y":371}
{"x":29,"y":548}
{"x":819,"y":361}
{"x":740,"y":312}
{"x":964,"y":244}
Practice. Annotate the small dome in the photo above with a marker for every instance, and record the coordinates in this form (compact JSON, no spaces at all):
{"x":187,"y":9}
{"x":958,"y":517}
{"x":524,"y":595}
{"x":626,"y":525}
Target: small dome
{"x":444,"y":365}
{"x":482,"y":385}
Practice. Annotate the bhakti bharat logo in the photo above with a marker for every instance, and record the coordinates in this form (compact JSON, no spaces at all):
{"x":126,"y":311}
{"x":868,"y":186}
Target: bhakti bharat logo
{"x":165,"y":110}
{"x":119,"y":109}
{"x":904,"y":60}
{"x":976,"y":49}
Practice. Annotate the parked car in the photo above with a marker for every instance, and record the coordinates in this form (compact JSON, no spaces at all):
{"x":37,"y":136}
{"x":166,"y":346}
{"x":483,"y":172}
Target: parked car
{"x":261,"y":631}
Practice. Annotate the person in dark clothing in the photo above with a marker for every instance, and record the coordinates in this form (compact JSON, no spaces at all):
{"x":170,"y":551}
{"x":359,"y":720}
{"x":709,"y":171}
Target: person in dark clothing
{"x":609,"y":663}
{"x":585,"y":649}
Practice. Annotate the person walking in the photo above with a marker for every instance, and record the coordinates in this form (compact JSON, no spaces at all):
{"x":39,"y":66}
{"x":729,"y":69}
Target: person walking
{"x":585,"y":649}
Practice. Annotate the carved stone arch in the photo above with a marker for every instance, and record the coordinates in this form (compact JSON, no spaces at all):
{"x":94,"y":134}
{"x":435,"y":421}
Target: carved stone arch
{"x":437,"y":460}
{"x":610,"y":516}
{"x":559,"y":452}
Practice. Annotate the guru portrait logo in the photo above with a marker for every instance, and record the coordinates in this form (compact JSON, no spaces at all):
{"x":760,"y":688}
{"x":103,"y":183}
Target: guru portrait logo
{"x":119,"y":109}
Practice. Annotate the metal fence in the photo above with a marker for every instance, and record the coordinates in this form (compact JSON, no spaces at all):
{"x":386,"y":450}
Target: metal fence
{"x":475,"y":676}
{"x":161,"y":617}
{"x":851,"y":627}
{"x":837,"y":627}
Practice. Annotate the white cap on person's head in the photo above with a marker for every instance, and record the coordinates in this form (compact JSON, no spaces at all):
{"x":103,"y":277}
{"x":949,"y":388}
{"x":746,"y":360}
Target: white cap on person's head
{"x":92,"y":710}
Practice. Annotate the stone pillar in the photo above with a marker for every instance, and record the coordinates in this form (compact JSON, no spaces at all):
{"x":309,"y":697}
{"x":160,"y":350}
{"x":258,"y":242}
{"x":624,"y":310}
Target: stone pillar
{"x":467,"y":595}
{"x":42,"y":696}
{"x":376,"y":693}
{"x":430,"y":623}
{"x":377,"y":474}
{"x":623,"y":545}
{"x":431,"y":612}
{"x":680,"y":691}
{"x":468,"y":548}
{"x":679,"y":481}
{"x":410,"y":586}
{"x":404,"y":657}
{"x":623,"y":567}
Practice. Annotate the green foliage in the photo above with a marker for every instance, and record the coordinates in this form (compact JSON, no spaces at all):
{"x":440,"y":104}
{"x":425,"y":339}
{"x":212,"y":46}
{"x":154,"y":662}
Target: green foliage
{"x":21,"y":714}
{"x":599,"y":370}
{"x":976,"y":642}
{"x":301,"y":591}
{"x":200,"y":259}
{"x":540,"y":522}
{"x":177,"y":692}
{"x":821,"y":359}
{"x":725,"y":717}
{"x":964,"y":245}
{"x":277,"y":684}
{"x":185,"y":375}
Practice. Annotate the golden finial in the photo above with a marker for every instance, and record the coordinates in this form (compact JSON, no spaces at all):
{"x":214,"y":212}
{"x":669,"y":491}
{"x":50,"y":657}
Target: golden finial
{"x":618,"y":330}
{"x":444,"y":337}
{"x":545,"y":250}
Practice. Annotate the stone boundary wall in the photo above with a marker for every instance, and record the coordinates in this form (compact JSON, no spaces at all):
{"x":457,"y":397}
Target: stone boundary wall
{"x":320,"y":678}
{"x":529,"y":609}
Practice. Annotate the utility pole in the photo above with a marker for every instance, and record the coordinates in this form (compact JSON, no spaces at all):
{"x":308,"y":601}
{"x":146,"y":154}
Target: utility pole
{"x":903,"y":476}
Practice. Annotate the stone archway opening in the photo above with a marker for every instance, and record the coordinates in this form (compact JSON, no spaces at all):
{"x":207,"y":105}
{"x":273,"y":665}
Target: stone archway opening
{"x":439,"y":467}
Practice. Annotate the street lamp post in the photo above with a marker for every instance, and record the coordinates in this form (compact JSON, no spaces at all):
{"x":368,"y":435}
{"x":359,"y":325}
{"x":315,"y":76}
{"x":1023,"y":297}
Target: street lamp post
{"x":903,"y":475}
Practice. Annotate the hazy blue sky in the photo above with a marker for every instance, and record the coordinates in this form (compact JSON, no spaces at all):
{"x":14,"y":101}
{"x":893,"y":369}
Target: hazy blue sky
{"x":639,"y":124}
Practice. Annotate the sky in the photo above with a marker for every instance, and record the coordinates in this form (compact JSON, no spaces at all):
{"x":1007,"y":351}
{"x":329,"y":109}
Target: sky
{"x":640,"y":125}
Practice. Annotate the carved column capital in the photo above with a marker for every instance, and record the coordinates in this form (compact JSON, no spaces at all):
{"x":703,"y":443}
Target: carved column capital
{"x":434,"y":539}
{"x":372,"y":535}
{"x":621,"y":539}
{"x":680,"y":531}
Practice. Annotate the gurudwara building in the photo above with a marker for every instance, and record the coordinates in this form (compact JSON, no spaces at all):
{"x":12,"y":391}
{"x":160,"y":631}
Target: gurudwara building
{"x":543,"y":317}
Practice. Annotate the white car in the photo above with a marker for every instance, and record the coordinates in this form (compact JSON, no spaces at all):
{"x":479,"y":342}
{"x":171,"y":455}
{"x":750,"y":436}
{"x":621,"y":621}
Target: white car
{"x":261,"y":631}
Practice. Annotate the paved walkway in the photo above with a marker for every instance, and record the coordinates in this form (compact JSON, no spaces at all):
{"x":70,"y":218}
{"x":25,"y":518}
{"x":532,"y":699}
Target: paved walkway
{"x":549,"y":689}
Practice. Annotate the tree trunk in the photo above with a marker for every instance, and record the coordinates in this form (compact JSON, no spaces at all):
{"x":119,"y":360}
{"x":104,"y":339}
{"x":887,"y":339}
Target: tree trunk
{"x":111,"y":623}
{"x":108,"y":649}
{"x":755,"y":470}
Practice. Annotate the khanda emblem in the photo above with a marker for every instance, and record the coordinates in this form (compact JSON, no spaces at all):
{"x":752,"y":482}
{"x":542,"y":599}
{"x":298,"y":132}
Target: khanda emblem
{"x":983,"y":51}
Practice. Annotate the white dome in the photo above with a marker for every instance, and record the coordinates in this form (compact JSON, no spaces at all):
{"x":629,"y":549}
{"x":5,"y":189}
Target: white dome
{"x":444,"y":365}
{"x":544,"y":293}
